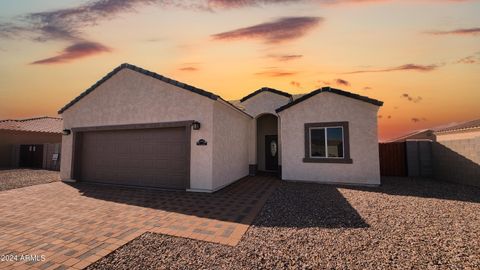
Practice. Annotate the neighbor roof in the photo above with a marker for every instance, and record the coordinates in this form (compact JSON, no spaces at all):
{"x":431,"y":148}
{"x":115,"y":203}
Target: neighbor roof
{"x":299,"y":99}
{"x":38,"y":124}
{"x":150,"y":74}
{"x":408,"y":135}
{"x":463,"y":126}
{"x":266,"y":89}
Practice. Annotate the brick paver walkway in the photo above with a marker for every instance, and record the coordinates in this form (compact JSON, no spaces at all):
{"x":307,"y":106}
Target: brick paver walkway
{"x":74,"y":225}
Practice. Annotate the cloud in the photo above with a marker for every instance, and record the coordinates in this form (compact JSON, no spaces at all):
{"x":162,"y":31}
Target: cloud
{"x":273,"y":72}
{"x":411,"y":98}
{"x":285,"y":57}
{"x":407,"y":67}
{"x":245,"y":3}
{"x":472,"y":59}
{"x":296,"y":84}
{"x":462,"y":31}
{"x":367,"y":88}
{"x":75,"y":51}
{"x":416,"y":119}
{"x":342,"y":82}
{"x":324,"y":82}
{"x":215,"y":4}
{"x":280,"y":30}
{"x":67,"y":23}
{"x":188,"y":69}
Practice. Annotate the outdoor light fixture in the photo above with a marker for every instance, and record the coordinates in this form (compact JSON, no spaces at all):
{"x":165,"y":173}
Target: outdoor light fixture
{"x":196,"y":125}
{"x":66,"y":132}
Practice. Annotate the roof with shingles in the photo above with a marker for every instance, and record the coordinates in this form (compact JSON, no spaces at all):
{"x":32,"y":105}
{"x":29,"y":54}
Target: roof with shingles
{"x":300,"y":98}
{"x":39,"y":124}
{"x":266,"y":89}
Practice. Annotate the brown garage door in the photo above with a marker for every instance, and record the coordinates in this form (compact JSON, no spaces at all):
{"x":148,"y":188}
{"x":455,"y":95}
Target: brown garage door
{"x":146,"y":157}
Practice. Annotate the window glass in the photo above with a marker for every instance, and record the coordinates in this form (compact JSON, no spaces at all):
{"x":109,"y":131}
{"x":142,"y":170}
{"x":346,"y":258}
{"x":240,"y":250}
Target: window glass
{"x":317,"y":142}
{"x":335,"y":142}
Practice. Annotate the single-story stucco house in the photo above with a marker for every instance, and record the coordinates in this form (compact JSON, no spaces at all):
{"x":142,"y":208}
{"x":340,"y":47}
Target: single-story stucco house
{"x":31,"y":143}
{"x":135,"y":127}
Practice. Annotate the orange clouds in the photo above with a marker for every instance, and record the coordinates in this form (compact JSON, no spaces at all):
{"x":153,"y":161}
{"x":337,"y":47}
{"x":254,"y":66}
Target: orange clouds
{"x":280,"y":30}
{"x":276,"y":73}
{"x":462,"y":31}
{"x":75,"y":51}
{"x":407,"y":67}
{"x":285,"y":57}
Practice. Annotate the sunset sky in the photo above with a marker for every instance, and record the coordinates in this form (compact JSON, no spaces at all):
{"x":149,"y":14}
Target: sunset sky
{"x":421,"y":57}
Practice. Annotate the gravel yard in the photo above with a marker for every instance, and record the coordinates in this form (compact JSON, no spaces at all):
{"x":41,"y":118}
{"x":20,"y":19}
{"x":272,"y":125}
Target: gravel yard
{"x":10,"y":179}
{"x":414,"y":224}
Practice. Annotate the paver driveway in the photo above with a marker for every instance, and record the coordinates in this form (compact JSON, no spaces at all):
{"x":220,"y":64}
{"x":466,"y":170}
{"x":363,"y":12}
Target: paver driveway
{"x":73,"y":225}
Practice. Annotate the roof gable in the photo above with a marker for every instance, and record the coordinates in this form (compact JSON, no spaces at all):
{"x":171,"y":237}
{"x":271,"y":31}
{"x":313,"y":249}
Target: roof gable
{"x":266,"y":89}
{"x":330,"y":90}
{"x":144,"y":72}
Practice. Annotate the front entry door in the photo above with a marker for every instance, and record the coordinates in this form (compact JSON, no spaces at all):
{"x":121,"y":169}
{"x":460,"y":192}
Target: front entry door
{"x":271,"y":152}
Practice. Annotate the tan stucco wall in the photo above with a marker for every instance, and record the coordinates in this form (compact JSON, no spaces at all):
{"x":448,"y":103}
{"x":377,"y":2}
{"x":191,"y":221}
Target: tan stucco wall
{"x":252,"y":142}
{"x":132,"y":98}
{"x":265,"y":102}
{"x":230,"y":138}
{"x":329,"y":107}
{"x":10,"y":138}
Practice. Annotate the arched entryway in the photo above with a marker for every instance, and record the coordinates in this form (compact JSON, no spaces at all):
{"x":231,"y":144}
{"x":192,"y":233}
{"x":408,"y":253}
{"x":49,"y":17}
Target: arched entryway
{"x":267,"y":143}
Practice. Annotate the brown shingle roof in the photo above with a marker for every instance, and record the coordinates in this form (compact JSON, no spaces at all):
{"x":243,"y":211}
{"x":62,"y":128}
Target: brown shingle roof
{"x":463,"y":126}
{"x":299,"y":98}
{"x":266,"y":89}
{"x":38,"y":124}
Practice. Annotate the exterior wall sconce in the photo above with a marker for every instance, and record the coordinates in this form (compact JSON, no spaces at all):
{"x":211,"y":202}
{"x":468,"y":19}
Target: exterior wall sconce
{"x":202,"y":142}
{"x":196,"y":125}
{"x":66,"y":132}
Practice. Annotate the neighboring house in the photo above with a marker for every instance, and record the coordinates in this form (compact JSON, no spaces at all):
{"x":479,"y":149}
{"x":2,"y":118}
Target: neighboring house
{"x":423,"y":134}
{"x":135,"y":127}
{"x":456,"y":153}
{"x":31,"y":143}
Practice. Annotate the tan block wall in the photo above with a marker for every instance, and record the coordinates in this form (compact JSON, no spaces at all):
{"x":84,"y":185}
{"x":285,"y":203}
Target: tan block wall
{"x":230,"y":138}
{"x":133,"y":98}
{"x":330,"y":107}
{"x":10,"y":138}
{"x":456,"y":157}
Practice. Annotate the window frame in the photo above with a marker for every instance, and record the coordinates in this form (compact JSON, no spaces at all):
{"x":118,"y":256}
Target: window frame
{"x":325,"y":125}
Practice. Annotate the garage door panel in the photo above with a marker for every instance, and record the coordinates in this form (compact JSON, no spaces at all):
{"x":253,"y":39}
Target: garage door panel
{"x":148,"y":157}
